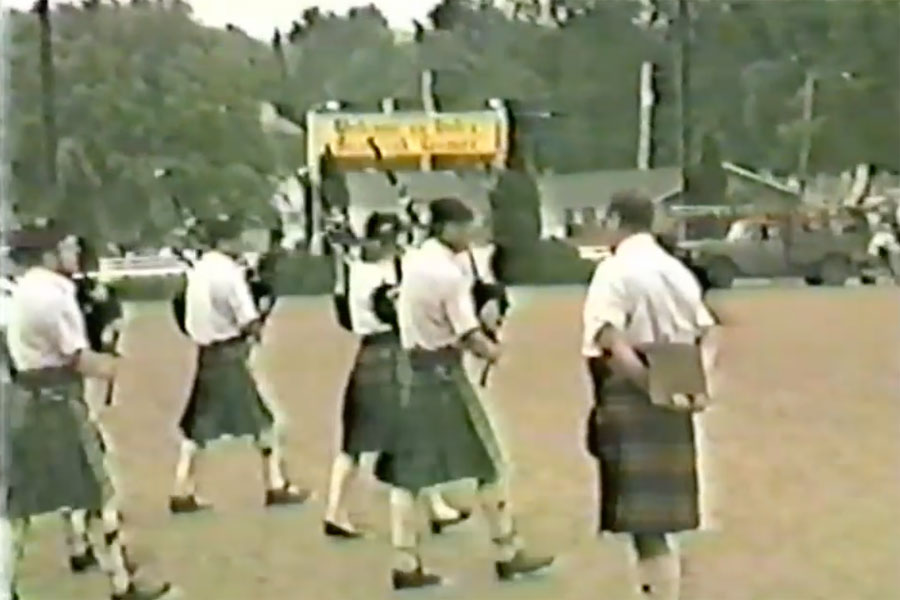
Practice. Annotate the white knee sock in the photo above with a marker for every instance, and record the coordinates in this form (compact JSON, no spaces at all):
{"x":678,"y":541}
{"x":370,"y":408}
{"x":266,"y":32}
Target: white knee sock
{"x":7,"y":559}
{"x":438,"y":505}
{"x":75,"y":527}
{"x":343,"y":471}
{"x":185,"y":483}
{"x":404,"y":530}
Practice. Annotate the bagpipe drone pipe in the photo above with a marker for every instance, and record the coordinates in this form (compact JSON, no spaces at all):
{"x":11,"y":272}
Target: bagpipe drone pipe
{"x":99,"y":303}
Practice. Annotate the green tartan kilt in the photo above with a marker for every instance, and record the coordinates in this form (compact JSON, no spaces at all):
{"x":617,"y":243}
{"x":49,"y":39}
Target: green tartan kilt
{"x":55,"y":450}
{"x":372,"y":395}
{"x":225,"y":400}
{"x":442,"y":432}
{"x":647,"y":460}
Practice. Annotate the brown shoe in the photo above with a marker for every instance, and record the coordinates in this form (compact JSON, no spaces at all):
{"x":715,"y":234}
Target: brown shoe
{"x":79,"y":563}
{"x":521,"y":564}
{"x":182,"y":505}
{"x":336,"y":531}
{"x":287,"y":495}
{"x":144,"y":593}
{"x":408,"y":580}
{"x":438,"y":525}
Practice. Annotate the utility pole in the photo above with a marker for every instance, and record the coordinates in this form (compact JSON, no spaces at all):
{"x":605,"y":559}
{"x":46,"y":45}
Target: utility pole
{"x":647,"y":99}
{"x":48,"y":90}
{"x":809,"y":99}
{"x":682,"y":64}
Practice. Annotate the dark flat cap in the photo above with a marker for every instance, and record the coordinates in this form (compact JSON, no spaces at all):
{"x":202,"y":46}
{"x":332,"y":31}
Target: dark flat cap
{"x":450,"y":210}
{"x":223,"y":227}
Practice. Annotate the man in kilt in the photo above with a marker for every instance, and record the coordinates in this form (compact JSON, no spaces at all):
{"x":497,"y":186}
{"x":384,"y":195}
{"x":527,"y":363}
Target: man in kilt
{"x":222,"y":319}
{"x":56,"y":459}
{"x":102,"y":313}
{"x":442,"y":431}
{"x":646,"y":453}
{"x":365,"y":292}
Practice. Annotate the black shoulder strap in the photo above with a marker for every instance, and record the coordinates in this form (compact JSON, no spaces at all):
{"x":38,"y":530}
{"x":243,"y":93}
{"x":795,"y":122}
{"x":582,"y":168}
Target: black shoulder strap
{"x":342,"y":300}
{"x":398,"y":269}
{"x":473,"y":264}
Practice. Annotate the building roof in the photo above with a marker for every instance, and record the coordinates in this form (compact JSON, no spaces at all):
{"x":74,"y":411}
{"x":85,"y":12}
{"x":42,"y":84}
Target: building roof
{"x":373,"y":190}
{"x":596,"y":188}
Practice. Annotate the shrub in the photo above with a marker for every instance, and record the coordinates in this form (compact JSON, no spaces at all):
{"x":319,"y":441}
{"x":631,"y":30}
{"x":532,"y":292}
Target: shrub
{"x":547,"y":262}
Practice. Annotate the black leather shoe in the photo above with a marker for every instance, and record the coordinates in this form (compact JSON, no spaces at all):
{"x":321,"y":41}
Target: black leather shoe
{"x":183,"y":505}
{"x":336,"y":531}
{"x":408,"y":580}
{"x":286,"y":495}
{"x":149,"y":593}
{"x":80,"y":563}
{"x":438,"y":525}
{"x":521,"y":564}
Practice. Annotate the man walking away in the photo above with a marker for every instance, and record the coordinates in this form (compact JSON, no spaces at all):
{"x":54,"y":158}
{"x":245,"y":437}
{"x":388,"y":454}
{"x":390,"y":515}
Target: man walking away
{"x":646,"y":454}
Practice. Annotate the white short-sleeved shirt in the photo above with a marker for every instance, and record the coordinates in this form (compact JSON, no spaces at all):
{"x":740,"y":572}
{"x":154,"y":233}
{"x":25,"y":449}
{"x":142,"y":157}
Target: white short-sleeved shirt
{"x":435,"y":307}
{"x":647,"y":294}
{"x":363,"y":278}
{"x":218,"y":302}
{"x":45,"y":326}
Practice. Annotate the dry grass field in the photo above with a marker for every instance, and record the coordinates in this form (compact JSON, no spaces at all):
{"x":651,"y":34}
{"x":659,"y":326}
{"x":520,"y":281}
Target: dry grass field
{"x":802,"y":453}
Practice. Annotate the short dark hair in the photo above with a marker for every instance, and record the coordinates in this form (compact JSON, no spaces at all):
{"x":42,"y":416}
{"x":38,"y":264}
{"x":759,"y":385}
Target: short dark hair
{"x":635,"y":210}
{"x":445,"y":211}
{"x":222,"y":228}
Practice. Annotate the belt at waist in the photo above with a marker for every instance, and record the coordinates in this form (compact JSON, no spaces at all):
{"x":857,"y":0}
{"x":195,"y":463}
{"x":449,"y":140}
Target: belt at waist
{"x":230,"y":342}
{"x":446,"y":356}
{"x":47,"y":377}
{"x":378,"y":339}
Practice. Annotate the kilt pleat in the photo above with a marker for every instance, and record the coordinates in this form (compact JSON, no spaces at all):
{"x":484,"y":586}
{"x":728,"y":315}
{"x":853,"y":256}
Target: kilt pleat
{"x":647,"y":461}
{"x":56,"y":457}
{"x":224,"y":399}
{"x":442,"y":433}
{"x":372,"y":395}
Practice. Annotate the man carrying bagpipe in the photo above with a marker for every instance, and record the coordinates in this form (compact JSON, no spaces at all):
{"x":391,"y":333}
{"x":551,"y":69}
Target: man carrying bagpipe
{"x":367,"y":278}
{"x":643,"y":309}
{"x":56,"y":460}
{"x":442,"y":431}
{"x":101,"y":310}
{"x":223,"y":321}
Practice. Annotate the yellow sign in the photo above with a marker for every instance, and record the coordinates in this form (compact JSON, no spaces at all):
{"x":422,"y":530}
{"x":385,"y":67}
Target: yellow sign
{"x":437,"y":136}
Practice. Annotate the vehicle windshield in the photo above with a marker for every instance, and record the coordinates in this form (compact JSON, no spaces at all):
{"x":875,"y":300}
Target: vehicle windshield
{"x":742,"y":230}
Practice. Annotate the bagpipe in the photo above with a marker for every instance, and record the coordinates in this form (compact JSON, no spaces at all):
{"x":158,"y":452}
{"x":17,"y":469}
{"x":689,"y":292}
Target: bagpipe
{"x":345,"y":242}
{"x":100,"y":306}
{"x":483,"y":293}
{"x":261,"y":279}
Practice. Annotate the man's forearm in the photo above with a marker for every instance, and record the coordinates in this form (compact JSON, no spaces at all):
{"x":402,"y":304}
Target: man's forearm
{"x":625,"y":361}
{"x":95,"y":364}
{"x":253,"y":329}
{"x":480,"y":345}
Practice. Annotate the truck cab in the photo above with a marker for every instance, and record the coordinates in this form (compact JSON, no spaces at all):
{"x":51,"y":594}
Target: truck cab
{"x":821,"y":248}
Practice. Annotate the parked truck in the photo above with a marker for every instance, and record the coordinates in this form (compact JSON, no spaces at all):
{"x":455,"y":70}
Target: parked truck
{"x":822,"y":248}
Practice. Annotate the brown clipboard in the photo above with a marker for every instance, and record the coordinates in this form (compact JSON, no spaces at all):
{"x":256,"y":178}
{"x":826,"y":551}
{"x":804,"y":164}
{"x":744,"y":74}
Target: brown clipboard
{"x":676,"y":369}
